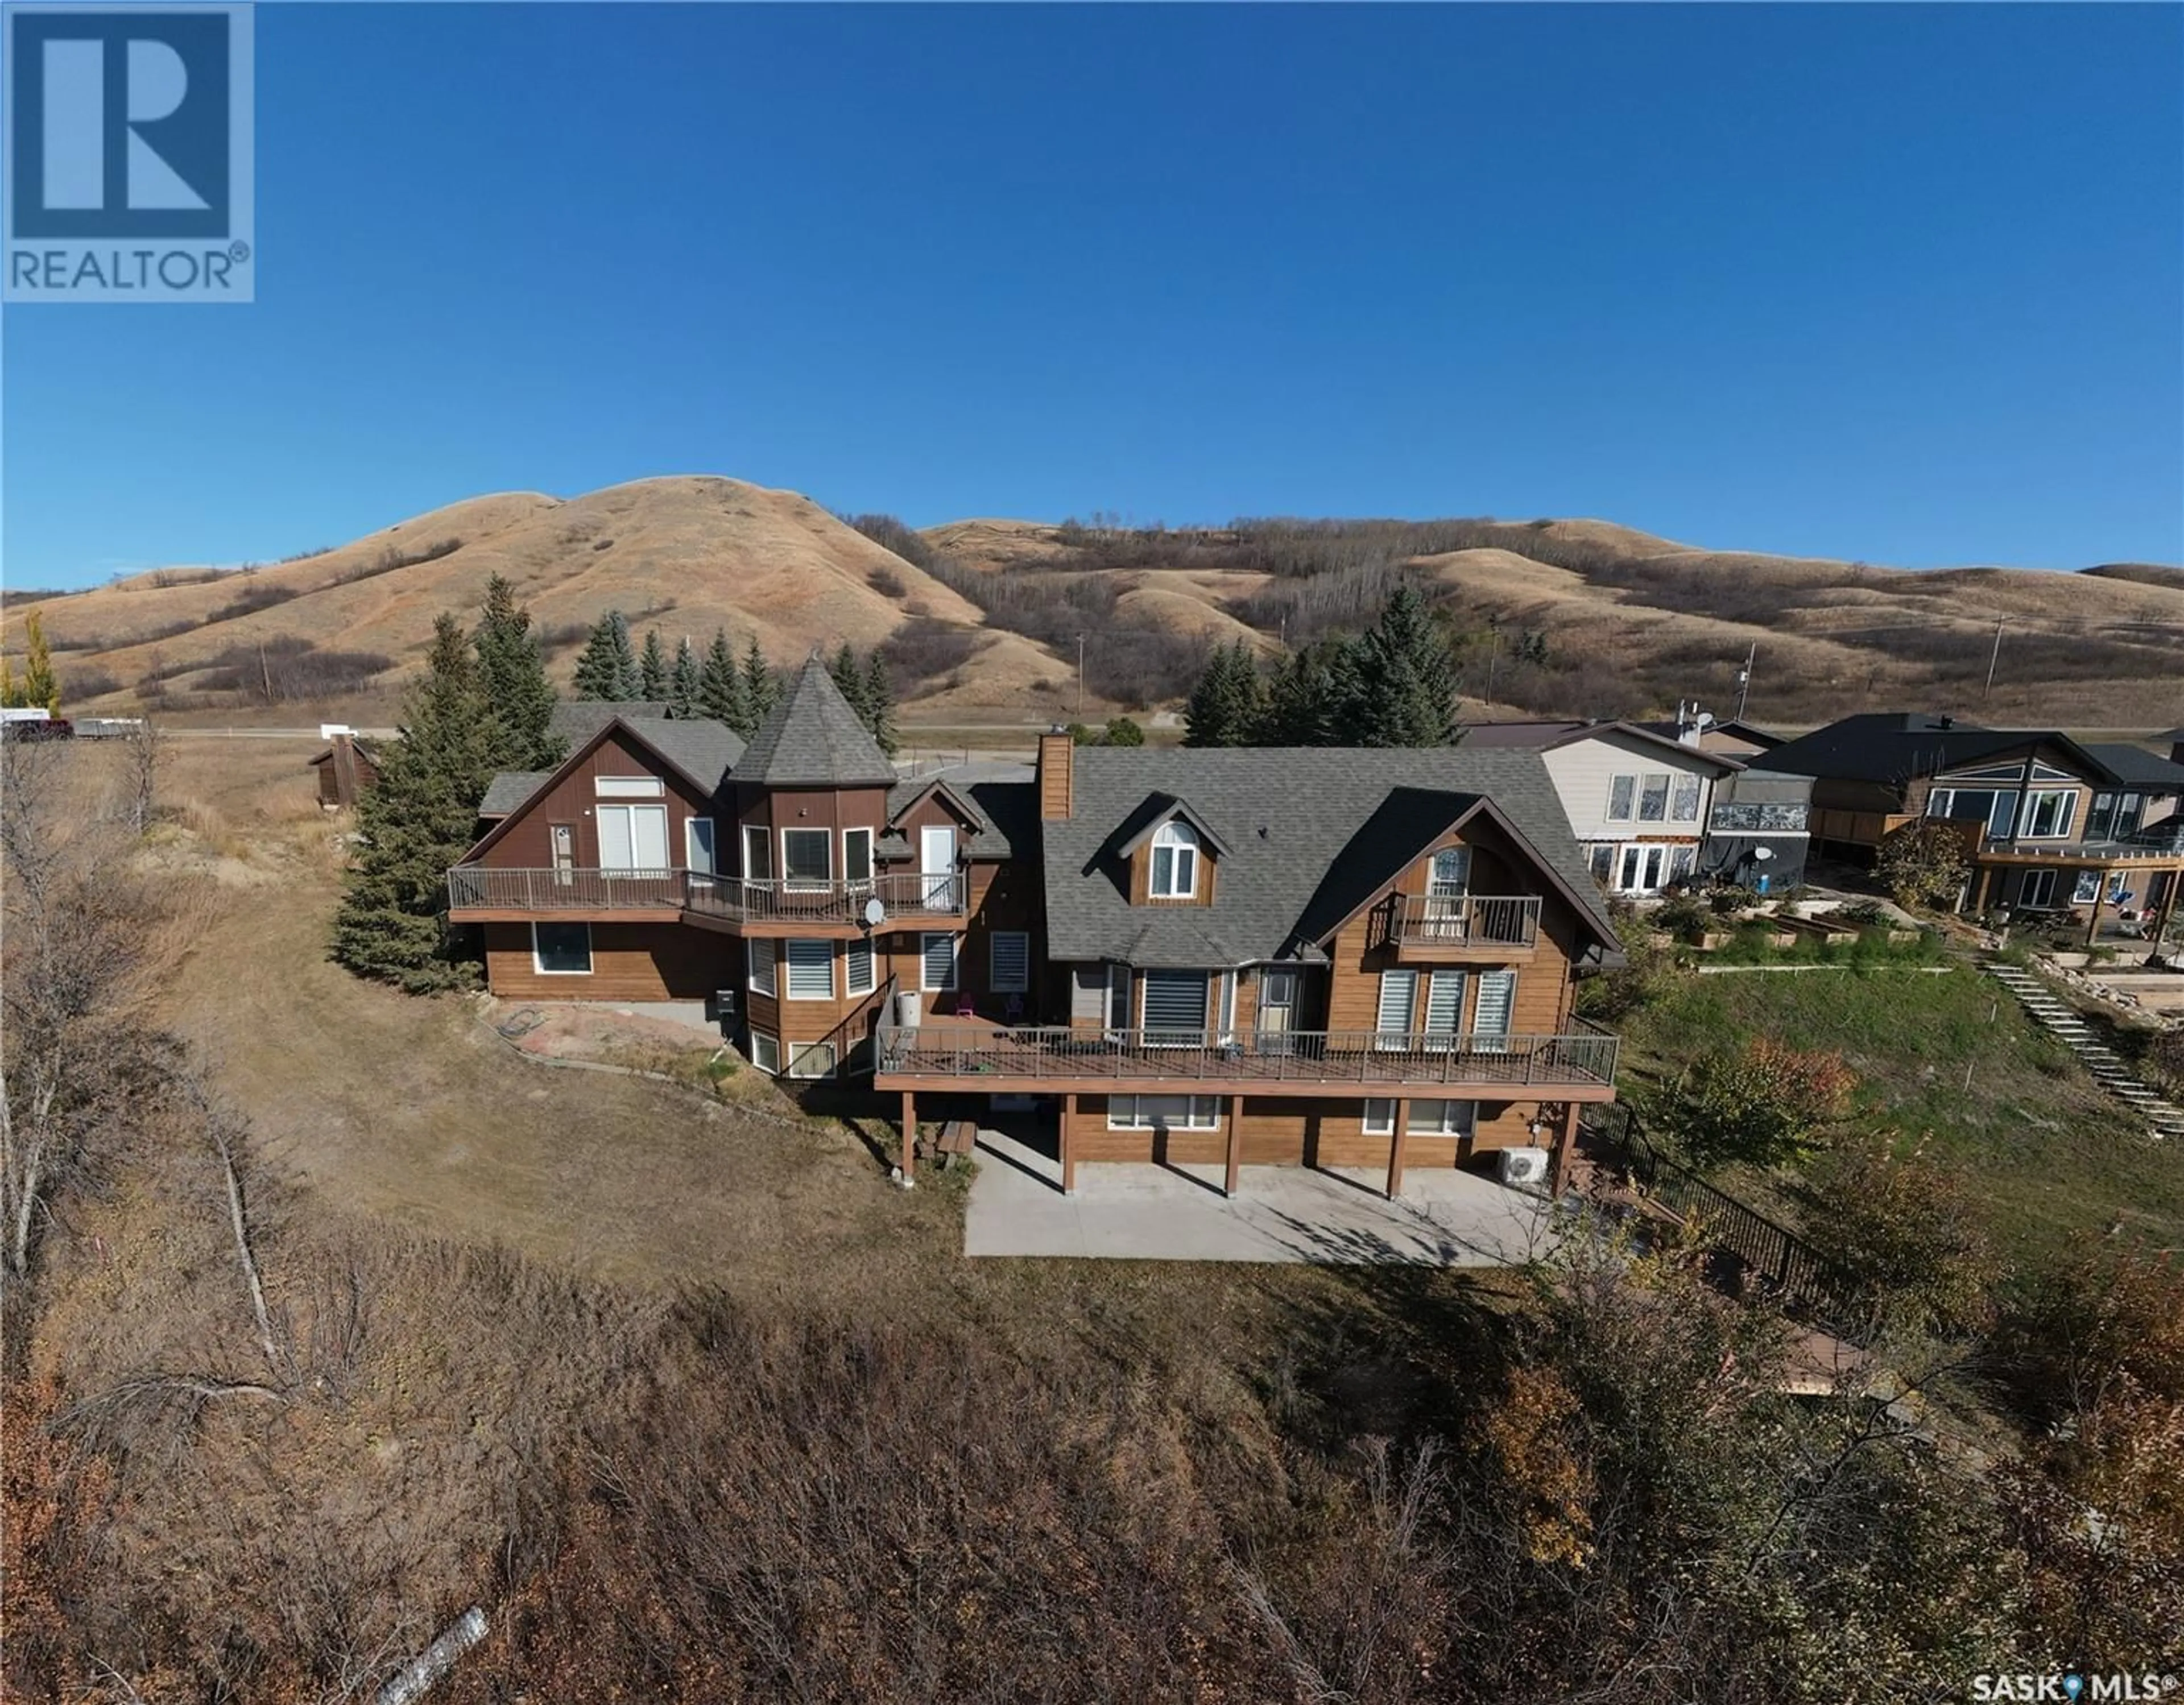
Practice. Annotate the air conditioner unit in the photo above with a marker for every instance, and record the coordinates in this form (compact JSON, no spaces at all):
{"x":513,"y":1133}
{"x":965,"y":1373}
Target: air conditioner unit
{"x":1524,"y":1168}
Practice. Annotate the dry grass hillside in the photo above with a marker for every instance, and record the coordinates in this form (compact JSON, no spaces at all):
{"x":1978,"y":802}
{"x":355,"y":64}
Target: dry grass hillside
{"x":1559,"y":617}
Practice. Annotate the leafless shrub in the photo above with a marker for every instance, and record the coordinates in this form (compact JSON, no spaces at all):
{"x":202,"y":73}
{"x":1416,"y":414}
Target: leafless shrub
{"x":256,"y":596}
{"x":887,"y":583}
{"x":923,"y":649}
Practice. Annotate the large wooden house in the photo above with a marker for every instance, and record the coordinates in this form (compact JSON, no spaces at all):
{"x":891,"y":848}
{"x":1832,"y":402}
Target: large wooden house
{"x":1324,"y":956}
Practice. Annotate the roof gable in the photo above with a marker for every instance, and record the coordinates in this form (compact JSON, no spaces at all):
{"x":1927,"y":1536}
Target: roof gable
{"x":1166,"y":808}
{"x":813,"y":738}
{"x":502,"y":787}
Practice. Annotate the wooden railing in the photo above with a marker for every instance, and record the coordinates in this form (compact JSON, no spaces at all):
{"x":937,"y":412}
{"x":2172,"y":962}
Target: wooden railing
{"x":904,"y":894}
{"x":1480,"y":919}
{"x":952,"y":1048}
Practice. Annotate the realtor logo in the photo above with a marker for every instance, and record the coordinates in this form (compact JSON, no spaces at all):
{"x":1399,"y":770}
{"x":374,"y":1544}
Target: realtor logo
{"x":129,"y":165}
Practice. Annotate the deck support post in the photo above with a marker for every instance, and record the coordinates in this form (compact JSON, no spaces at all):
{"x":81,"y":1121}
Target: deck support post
{"x":1395,"y":1141}
{"x":1558,"y":1170}
{"x":2169,"y":890}
{"x":2100,"y":896}
{"x":1068,"y":1144}
{"x":1979,"y":899}
{"x":908,"y":1170}
{"x":1236,"y":1129}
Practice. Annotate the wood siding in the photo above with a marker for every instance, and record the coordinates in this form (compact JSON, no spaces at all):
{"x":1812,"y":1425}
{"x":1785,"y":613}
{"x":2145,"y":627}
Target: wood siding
{"x":525,"y":841}
{"x":630,"y":961}
{"x":1286,"y":1132}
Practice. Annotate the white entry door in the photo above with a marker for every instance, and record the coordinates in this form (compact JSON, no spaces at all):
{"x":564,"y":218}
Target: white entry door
{"x":936,"y":863}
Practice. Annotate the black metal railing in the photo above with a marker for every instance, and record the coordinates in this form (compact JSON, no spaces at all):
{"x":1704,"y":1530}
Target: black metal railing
{"x":903,"y":894}
{"x":1468,"y":920}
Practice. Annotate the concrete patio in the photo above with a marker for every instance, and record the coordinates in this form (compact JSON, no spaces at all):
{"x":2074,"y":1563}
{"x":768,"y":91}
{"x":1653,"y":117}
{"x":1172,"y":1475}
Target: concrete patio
{"x":1141,"y":1211}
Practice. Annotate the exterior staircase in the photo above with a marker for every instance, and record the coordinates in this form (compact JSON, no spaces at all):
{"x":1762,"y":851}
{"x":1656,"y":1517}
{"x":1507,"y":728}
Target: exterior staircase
{"x":2163,"y":1118}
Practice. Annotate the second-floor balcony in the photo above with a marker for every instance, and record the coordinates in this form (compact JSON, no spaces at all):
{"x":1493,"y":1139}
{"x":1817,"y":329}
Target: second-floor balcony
{"x":974,"y":1055}
{"x":1464,"y":925}
{"x":487,"y":894}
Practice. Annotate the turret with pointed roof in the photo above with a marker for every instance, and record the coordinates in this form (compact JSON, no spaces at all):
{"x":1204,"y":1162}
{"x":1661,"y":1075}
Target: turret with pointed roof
{"x":812,"y":738}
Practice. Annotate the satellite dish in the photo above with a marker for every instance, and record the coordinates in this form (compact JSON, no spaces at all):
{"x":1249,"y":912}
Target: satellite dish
{"x":875,"y":912}
{"x":1763,"y":853}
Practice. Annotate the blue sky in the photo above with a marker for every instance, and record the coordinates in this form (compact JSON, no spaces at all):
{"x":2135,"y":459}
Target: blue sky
{"x":1896,"y":283}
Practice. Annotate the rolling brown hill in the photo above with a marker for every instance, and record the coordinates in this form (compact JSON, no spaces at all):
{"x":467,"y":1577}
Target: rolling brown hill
{"x":981,"y":618}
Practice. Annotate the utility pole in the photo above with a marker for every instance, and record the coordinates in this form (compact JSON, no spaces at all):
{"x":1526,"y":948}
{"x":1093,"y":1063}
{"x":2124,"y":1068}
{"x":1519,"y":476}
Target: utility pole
{"x":1993,"y":658}
{"x":1744,"y":679}
{"x":1080,"y":677}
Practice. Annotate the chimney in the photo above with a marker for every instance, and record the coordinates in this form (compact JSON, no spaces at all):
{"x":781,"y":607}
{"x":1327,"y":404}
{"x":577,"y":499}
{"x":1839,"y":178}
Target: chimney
{"x":1057,"y":776}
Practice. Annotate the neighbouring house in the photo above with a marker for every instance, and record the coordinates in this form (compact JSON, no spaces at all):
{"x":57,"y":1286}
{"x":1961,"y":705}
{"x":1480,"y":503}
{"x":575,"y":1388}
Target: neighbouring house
{"x":1639,"y":803}
{"x":1239,"y":956}
{"x":576,"y":720}
{"x":346,"y":768}
{"x":2051,"y":824}
{"x":1734,"y":739}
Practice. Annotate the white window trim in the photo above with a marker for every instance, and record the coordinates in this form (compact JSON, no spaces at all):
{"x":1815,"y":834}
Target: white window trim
{"x":691,"y":826}
{"x":1667,"y":780}
{"x":757,"y":835}
{"x":799,"y":1052}
{"x":538,"y":965}
{"x":762,"y":1044}
{"x":1630,"y":812}
{"x":1190,"y":1120}
{"x":1022,"y":985}
{"x":1379,"y":1123}
{"x":954,"y":962}
{"x":2069,"y":814}
{"x":1180,"y":840}
{"x":806,"y":884}
{"x":789,"y":967}
{"x":849,"y":951}
{"x":761,"y":965}
{"x":1677,"y":783}
{"x":628,"y":788}
{"x":871,"y":870}
{"x":1452,"y":1123}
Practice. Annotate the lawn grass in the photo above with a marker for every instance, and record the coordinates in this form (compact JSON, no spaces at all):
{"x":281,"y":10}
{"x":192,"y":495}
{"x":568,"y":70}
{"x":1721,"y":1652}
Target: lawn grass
{"x":1950,"y":1059}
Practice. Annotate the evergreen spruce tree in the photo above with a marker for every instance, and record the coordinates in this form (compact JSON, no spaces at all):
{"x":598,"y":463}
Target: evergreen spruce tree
{"x":1405,"y":678}
{"x":608,"y":669}
{"x":512,"y":677}
{"x":721,"y":687}
{"x":652,"y":669}
{"x":1229,"y":704}
{"x":879,"y":705}
{"x":849,"y":676}
{"x":1300,"y":707}
{"x":762,"y":687}
{"x":683,"y":681}
{"x":417,"y":820}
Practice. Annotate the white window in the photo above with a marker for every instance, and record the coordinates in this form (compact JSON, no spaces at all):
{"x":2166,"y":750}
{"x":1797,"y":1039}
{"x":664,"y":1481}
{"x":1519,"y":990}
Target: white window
{"x":629,"y":787}
{"x":1399,"y":1001}
{"x":1450,"y":875}
{"x":2088,"y":888}
{"x":561,"y":950}
{"x":1680,"y":861}
{"x":758,"y":854}
{"x":811,"y":1058}
{"x":633,"y":837}
{"x":810,"y":970}
{"x":937,"y":962}
{"x":1444,"y":1006}
{"x":698,"y":845}
{"x":857,"y":966}
{"x":1684,"y":803}
{"x":1379,"y":1119}
{"x":1119,"y":997}
{"x":766,"y":1051}
{"x":1653,"y":799}
{"x":1009,"y":956}
{"x":807,"y":860}
{"x":2047,"y":813}
{"x":1494,"y":1009}
{"x":1643,"y":869}
{"x":1429,"y":1118}
{"x":1622,"y":793}
{"x":1175,"y":861}
{"x":1175,"y":1006}
{"x":758,"y":955}
{"x":2036,"y":893}
{"x":1600,"y":857}
{"x":1163,"y":1113}
{"x":857,"y":854}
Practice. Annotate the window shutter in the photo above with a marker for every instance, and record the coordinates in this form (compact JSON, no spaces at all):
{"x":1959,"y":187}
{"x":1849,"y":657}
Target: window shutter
{"x":1175,"y":1000}
{"x":1399,"y":995}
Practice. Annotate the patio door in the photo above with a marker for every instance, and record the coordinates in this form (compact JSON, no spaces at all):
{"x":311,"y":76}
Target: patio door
{"x":1643,"y":868}
{"x":564,"y":836}
{"x":1446,"y":883}
{"x":936,"y":864}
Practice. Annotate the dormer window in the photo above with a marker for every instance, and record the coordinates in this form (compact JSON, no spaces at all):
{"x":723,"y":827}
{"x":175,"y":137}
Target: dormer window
{"x":1175,"y":861}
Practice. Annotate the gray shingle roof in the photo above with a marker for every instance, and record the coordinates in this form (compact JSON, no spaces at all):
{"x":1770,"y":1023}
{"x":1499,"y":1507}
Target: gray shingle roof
{"x":510,"y":789}
{"x":1001,"y":797}
{"x":1890,"y":747}
{"x":703,"y":750}
{"x":576,"y":720}
{"x":813,"y":738}
{"x":1313,"y":832}
{"x":2136,"y":766}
